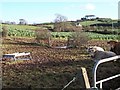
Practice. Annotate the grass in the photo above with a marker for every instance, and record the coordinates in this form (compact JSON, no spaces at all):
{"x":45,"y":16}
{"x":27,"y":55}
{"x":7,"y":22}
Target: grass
{"x":61,"y":34}
{"x":101,"y":36}
{"x":28,"y":31}
{"x":87,"y":23}
{"x":24,"y":27}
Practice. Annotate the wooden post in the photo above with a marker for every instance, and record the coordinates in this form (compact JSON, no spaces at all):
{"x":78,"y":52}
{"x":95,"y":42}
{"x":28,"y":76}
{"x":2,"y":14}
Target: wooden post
{"x":85,"y":79}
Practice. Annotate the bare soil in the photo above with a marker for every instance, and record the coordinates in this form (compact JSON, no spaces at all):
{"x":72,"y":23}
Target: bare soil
{"x":52,"y":68}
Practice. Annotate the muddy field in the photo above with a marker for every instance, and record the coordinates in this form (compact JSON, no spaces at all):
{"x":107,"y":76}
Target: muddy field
{"x":52,"y":68}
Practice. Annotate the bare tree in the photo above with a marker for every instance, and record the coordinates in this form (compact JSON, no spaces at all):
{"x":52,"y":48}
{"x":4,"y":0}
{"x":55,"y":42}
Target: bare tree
{"x":60,"y":18}
{"x":60,"y":22}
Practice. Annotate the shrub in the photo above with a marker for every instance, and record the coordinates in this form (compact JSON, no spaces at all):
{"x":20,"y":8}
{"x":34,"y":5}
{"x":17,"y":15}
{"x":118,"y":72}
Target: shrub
{"x":4,"y":31}
{"x":43,"y":36}
{"x":77,"y":39}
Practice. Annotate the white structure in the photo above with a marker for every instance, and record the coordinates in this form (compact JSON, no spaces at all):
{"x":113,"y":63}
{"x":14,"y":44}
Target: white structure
{"x":100,"y":82}
{"x":78,"y":24}
{"x":20,"y":56}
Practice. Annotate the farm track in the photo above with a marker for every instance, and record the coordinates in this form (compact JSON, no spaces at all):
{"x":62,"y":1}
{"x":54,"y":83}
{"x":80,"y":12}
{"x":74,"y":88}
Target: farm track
{"x":51,"y":68}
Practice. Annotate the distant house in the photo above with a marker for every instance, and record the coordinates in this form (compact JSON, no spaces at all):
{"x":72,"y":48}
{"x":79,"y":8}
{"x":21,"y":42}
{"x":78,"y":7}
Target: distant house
{"x":78,"y":24}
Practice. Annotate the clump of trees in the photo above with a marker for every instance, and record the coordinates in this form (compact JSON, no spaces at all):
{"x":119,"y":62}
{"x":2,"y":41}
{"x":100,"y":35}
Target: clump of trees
{"x":22,"y":22}
{"x":62,"y":25}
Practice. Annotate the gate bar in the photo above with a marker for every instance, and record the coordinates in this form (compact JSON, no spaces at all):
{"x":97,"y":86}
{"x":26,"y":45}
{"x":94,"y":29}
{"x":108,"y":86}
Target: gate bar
{"x":96,"y":66}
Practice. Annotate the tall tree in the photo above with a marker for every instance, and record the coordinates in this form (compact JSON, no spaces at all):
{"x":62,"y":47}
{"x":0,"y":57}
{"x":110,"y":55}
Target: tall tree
{"x":22,"y":22}
{"x":60,"y":22}
{"x":88,"y":17}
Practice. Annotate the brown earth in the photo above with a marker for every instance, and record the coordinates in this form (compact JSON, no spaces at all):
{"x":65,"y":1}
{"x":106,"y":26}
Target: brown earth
{"x":50,"y":67}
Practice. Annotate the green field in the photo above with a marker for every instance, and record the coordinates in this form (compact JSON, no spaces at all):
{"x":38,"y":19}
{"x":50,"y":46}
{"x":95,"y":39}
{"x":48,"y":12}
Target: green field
{"x":23,"y":27}
{"x":29,"y":31}
{"x":86,"y":23}
{"x":102,"y":36}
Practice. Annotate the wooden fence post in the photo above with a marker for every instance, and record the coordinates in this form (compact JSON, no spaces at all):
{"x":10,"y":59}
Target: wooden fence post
{"x":84,"y":77}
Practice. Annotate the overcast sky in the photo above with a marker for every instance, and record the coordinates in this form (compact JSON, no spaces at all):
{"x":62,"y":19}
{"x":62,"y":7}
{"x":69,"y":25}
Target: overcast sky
{"x":36,"y":11}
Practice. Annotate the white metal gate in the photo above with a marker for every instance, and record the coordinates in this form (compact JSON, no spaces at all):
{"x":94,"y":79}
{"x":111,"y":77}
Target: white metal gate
{"x":95,"y":82}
